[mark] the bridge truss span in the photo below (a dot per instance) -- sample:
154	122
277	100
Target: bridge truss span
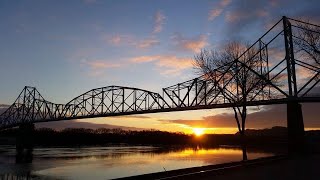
31	107
112	100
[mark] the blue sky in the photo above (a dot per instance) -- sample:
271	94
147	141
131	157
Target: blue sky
65	48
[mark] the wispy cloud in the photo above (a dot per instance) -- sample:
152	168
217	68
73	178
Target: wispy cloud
167	63
233	16
214	13
102	64
239	15
144	59
159	19
194	44
217	10
130	40
142	43
147	43
117	39
98	67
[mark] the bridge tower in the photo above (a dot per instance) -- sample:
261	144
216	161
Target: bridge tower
296	142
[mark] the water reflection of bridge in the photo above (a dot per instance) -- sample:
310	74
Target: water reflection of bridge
278	55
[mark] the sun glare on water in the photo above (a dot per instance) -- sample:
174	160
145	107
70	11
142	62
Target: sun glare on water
198	131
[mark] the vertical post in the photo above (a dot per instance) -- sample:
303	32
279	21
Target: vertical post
92	102
24	105
179	101
296	143
135	99
292	84
196	92
123	99
102	99
33	103
112	101
205	92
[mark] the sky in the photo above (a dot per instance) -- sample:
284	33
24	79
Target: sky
65	48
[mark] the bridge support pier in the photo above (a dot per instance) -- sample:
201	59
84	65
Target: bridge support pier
24	143
296	139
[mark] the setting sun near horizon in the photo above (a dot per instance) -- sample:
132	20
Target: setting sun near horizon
198	131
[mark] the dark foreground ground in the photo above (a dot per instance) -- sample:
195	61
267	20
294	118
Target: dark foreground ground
298	168
280	167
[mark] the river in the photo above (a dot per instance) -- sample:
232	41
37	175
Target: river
112	161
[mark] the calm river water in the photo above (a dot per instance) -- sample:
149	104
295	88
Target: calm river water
112	161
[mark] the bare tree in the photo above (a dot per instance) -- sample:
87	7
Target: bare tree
307	39
243	80
234	62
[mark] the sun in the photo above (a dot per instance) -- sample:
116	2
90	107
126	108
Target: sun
198	131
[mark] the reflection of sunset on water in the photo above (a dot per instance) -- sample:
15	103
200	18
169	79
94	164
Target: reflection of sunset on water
201	152
115	162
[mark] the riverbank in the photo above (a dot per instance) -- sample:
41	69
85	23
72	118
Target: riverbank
276	167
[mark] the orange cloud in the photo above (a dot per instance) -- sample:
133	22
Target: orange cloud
117	39
97	67
129	40
171	64
102	64
225	2
275	55
142	59
146	43
158	22
237	15
190	44
214	13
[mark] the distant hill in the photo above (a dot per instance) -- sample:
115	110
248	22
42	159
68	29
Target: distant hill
278	131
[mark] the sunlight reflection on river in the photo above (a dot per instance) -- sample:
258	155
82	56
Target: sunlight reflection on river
113	162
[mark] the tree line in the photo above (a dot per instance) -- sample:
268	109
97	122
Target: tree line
103	136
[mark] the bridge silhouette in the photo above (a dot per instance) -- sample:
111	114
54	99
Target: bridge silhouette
280	57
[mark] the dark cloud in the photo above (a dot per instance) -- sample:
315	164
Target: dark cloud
267	116
58	125
251	14
132	117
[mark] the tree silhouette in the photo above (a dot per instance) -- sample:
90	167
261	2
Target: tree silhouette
307	39
234	61
206	62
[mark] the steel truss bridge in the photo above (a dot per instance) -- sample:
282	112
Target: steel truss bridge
278	55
